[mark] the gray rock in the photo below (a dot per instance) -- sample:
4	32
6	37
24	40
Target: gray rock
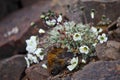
101	70
12	68
108	51
37	72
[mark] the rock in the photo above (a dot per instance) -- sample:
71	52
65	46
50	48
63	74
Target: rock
37	72
28	2
15	43
12	68
101	8
8	6
60	77
101	70
114	30
108	51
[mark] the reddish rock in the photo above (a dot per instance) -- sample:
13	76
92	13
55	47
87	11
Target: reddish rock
101	70
12	68
15	43
114	30
28	2
108	51
37	72
102	7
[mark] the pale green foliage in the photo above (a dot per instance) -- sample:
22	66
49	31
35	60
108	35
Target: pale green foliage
63	34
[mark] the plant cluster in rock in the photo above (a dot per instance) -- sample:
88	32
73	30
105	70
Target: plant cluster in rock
77	38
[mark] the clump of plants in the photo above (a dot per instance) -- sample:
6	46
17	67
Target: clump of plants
75	38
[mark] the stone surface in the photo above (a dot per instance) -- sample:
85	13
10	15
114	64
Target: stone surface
12	68
108	51
102	7
28	2
114	30
101	70
37	72
15	43
8	6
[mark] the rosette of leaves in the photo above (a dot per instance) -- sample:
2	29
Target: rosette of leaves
66	35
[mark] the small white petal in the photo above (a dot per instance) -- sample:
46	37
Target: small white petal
104	35
41	31
59	18
71	67
41	57
83	61
44	66
29	56
35	60
93	29
100	30
74	63
38	51
94	44
32	23
30	49
27	61
51	22
92	15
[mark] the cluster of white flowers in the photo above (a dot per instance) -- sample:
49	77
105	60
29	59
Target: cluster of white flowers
35	54
51	22
54	21
51	19
84	38
81	38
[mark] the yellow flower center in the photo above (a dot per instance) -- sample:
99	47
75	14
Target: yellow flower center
77	35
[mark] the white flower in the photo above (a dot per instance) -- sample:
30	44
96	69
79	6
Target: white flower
76	37
74	63
83	61
94	44
29	56
84	49
93	29
59	19
31	44
92	15
30	49
41	31
32	23
34	59
44	66
102	38
39	53
27	61
51	22
100	30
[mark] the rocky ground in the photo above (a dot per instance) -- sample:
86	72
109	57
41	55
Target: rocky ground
12	47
